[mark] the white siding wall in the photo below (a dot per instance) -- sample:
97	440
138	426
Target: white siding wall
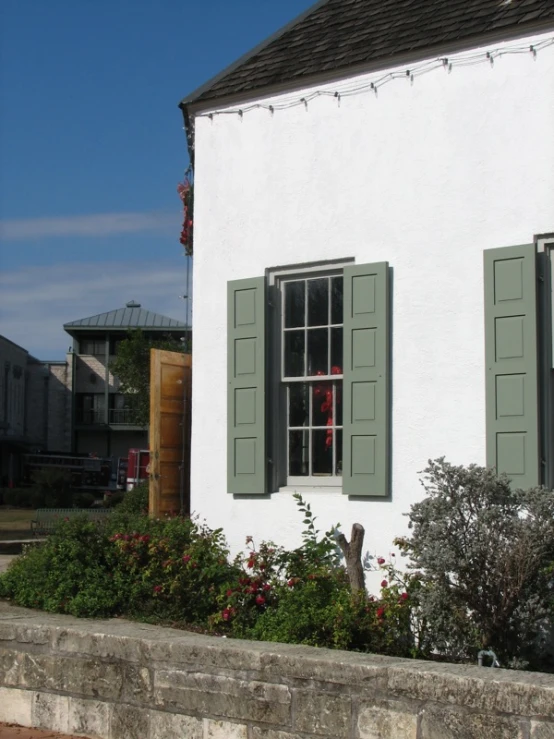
425	177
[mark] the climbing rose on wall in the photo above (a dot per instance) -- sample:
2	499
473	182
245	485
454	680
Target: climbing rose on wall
186	193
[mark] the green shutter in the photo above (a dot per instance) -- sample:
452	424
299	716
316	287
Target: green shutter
246	437
511	363
366	443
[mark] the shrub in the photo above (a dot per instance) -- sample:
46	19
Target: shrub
52	488
84	500
66	574
18	497
133	501
485	552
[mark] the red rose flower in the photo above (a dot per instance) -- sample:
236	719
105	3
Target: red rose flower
380	560
404	596
380	612
384	583
260	600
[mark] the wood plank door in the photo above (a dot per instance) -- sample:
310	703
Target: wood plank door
170	405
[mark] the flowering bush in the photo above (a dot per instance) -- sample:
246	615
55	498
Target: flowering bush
485	554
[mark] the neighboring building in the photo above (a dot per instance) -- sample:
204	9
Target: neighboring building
35	407
352	176
103	423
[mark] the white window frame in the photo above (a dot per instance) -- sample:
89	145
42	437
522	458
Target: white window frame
279	383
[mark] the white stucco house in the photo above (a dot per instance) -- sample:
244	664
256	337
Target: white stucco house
373	251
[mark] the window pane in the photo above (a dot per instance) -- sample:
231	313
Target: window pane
298	404
338	438
318	302
336	300
318	351
322	452
299	453
294	353
322	404
295	301
336	351
338	403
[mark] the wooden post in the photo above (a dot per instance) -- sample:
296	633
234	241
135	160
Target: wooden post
353	555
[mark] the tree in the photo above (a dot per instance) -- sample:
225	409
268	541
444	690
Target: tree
132	368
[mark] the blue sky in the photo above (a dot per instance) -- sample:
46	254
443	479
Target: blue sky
92	148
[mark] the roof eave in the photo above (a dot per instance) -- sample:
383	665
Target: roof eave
191	105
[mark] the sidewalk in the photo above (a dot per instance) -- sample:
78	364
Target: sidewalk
11	731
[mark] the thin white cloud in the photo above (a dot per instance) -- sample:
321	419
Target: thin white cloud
35	302
97	225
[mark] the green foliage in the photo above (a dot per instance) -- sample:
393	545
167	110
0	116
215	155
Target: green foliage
303	596
164	569
18	497
52	488
132	367
133	501
84	500
67	574
485	552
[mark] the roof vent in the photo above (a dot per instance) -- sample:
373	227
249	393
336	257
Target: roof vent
132	304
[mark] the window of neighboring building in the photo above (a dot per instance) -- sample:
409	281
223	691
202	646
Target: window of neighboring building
91	408
93	347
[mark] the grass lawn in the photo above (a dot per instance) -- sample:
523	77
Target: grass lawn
15	522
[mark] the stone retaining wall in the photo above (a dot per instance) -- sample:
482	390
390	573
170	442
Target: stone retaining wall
119	680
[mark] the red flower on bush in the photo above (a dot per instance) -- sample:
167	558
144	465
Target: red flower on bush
260	600
380	612
157	588
380	560
404	596
186	558
225	614
384	583
229	593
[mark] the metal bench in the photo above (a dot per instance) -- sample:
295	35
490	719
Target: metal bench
47	519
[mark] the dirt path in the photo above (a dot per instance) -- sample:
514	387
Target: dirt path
11	731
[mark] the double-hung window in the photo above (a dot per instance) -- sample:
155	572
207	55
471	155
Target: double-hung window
311	374
308	380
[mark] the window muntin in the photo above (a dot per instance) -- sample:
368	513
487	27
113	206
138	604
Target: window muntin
311	372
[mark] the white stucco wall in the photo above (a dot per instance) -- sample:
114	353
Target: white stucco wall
425	177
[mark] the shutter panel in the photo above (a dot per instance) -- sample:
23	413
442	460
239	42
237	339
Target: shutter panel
246	434
366	437
511	363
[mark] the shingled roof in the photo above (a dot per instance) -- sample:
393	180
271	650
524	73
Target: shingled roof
336	35
131	316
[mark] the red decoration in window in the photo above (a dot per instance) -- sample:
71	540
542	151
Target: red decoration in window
325	393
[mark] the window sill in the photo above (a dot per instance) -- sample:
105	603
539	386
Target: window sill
311	489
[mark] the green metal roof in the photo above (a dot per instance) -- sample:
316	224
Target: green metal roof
133	315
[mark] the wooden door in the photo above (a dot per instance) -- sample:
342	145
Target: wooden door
170	404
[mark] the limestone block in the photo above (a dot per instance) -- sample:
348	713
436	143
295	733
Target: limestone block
90	718
16	706
438	722
322	713
129	722
11	667
224	730
216	695
51	711
542	730
387	720
174	726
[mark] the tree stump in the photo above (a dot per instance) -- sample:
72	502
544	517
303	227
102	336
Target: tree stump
353	555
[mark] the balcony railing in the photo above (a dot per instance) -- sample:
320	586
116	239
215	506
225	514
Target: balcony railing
116	416
123	416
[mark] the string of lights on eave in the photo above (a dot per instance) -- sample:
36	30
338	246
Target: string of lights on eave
410	74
